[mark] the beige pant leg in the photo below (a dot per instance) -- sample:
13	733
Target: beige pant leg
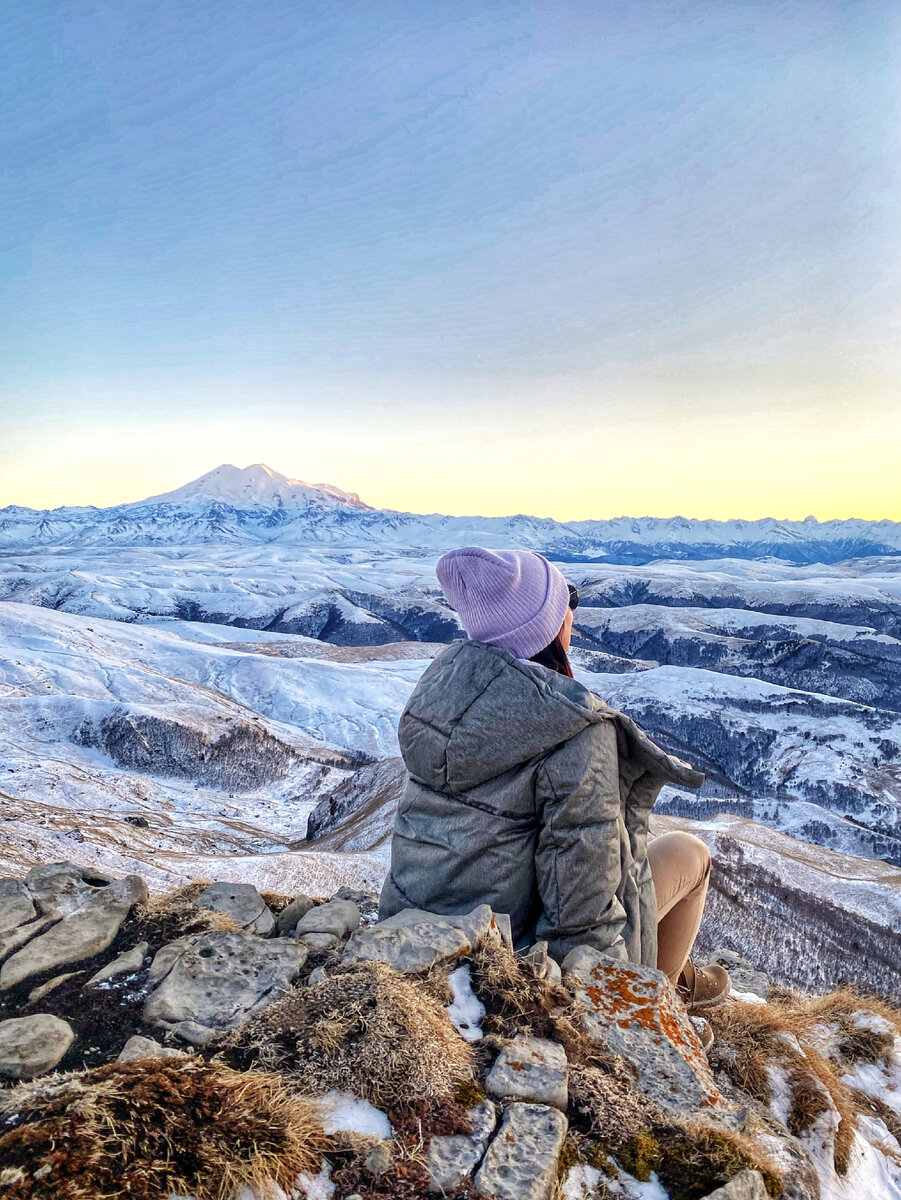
680	866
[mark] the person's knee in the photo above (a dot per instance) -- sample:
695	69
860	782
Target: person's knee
695	855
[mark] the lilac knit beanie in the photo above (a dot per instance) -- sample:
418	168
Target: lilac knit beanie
511	598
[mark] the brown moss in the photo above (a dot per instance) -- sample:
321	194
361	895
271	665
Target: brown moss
152	1128
365	1028
468	1094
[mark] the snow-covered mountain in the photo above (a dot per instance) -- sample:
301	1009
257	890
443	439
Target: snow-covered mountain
258	505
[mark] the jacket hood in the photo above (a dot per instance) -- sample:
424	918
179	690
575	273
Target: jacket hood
478	712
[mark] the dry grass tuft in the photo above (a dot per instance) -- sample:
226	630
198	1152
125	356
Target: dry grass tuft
148	1129
366	1028
752	1038
177	908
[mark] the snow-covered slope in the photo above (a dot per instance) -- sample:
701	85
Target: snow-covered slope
257	504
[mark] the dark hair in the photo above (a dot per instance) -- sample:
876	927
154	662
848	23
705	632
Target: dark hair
554	657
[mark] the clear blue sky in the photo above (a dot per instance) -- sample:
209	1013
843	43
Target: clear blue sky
575	258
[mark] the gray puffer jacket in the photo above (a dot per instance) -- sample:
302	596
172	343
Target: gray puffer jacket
528	793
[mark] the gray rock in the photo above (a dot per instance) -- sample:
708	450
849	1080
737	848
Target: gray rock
521	1162
15	905
129	961
380	1159
635	1011
31	1046
746	1185
532	1069
317	975
544	966
413	939
452	1158
358	897
85	932
337	917
45	989
144	1047
57	888
220	979
291	914
194	1032
23	933
744	976
242	902
319	941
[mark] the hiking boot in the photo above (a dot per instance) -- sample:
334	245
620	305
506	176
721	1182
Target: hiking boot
704	1030
703	987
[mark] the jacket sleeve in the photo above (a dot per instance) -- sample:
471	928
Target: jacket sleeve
578	852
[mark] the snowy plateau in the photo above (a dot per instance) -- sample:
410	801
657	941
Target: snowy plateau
184	680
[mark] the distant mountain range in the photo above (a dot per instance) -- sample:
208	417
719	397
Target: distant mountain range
257	505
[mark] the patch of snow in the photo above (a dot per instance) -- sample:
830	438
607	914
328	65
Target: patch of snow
881	1079
630	1188
580	1182
745	997
343	1112
873	1021
780	1092
314	1187
870	1173
466	1009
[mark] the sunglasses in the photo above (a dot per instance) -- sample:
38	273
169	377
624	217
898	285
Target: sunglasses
573	596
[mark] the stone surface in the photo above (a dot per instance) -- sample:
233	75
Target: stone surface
291	914
337	917
531	1069
31	1046
242	902
380	1159
23	933
635	1011
544	966
85	932
127	962
746	1185
16	907
145	1047
744	976
219	979
317	975
319	941
57	888
45	989
452	1158
413	939
521	1162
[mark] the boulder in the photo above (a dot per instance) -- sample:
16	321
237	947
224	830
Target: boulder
23	933
543	965
335	918
242	902
31	1046
16	907
636	1012
217	980
414	940
86	931
530	1068
129	961
287	919
57	888
144	1047
452	1158
746	1185
521	1162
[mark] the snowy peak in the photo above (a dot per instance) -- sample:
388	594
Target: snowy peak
257	486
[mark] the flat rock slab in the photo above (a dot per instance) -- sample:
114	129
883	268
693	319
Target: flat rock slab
335	918
17	937
521	1162
138	1047
16	906
746	1185
242	902
451	1159
129	961
87	931
51	985
531	1069
635	1011
31	1046
57	888
217	980
414	940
